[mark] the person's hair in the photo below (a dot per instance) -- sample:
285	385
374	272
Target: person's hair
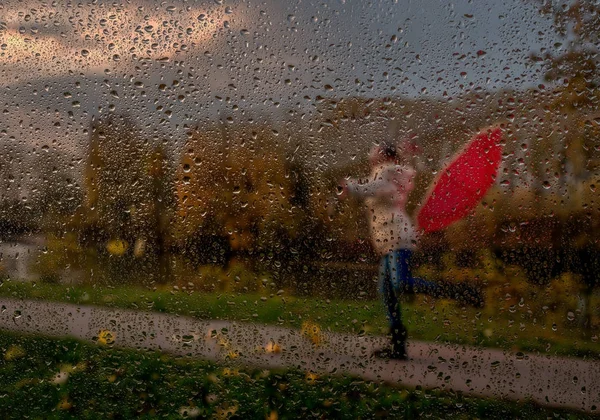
388	151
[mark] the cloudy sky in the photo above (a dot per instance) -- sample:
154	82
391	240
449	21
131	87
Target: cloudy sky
168	64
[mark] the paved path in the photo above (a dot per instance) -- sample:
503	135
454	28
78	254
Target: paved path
552	381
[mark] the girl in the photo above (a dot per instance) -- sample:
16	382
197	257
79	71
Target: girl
394	237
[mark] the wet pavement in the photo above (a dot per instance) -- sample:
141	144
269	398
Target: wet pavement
552	381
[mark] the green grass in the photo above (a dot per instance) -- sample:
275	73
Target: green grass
49	378
441	321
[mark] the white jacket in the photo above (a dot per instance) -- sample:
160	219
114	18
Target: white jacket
385	196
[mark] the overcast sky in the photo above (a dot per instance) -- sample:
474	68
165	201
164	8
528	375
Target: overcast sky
173	63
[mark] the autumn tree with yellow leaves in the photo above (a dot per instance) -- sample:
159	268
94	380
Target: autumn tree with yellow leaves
129	195
235	183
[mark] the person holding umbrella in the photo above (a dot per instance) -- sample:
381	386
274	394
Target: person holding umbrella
394	237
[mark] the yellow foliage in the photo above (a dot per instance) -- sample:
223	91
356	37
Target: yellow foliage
311	378
231	372
312	332
64	404
106	337
14	352
273	347
117	247
226	412
242	190
232	355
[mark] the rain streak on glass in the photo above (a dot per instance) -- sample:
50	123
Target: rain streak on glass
279	209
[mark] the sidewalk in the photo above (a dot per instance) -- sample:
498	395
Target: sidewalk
551	381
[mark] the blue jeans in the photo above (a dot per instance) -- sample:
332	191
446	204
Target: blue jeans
395	278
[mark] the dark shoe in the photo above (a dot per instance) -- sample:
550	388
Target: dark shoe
397	349
390	354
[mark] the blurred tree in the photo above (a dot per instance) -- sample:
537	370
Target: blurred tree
129	195
17	214
163	202
57	196
118	187
573	69
234	183
300	181
199	175
8	171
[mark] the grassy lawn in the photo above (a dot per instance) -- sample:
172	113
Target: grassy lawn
515	328
48	378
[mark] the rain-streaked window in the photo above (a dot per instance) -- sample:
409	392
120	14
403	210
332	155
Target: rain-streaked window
280	209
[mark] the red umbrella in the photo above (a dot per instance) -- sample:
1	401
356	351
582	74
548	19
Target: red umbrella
463	183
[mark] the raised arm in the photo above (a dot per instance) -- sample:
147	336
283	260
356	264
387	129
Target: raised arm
394	182
367	189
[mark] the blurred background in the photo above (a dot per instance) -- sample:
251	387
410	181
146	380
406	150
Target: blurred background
196	148
185	157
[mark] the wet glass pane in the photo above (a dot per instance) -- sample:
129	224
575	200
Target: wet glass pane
280	209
